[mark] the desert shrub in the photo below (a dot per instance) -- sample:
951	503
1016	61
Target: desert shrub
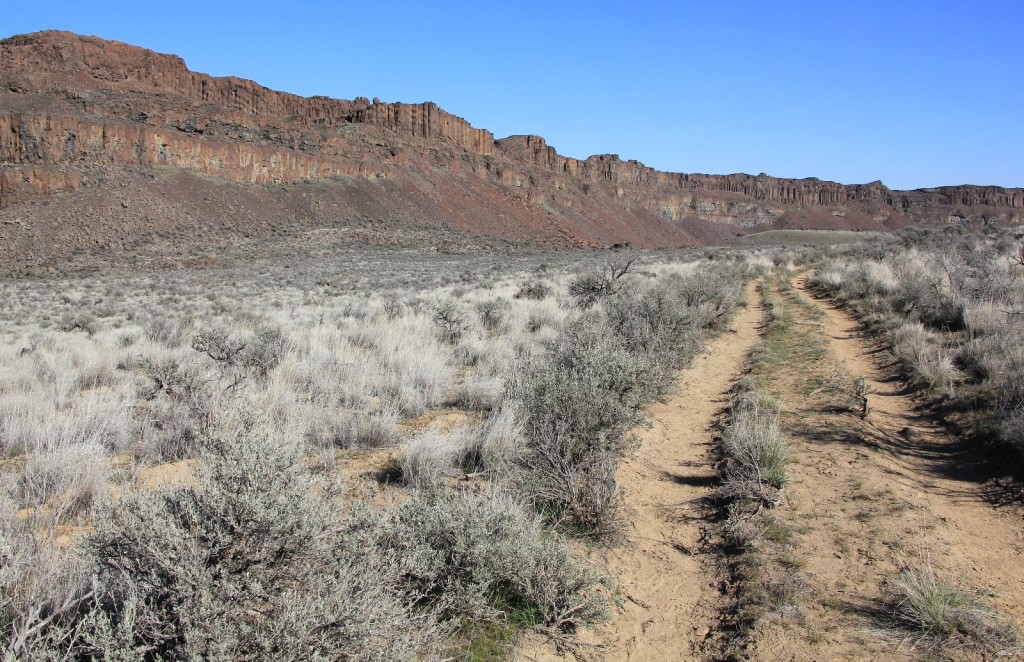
492	312
588	288
480	393
655	321
710	293
451	321
179	403
535	290
1012	428
392	308
167	376
254	562
589	386
168	331
241	354
79	322
580	403
949	303
359	430
482	556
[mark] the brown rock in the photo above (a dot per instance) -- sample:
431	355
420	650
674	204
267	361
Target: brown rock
78	114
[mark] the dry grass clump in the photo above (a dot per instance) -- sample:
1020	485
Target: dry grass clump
430	458
754	450
944	616
922	352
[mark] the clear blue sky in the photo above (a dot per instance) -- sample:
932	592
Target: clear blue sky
911	92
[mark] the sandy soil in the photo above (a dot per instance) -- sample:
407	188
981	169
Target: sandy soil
871	495
868	496
669	581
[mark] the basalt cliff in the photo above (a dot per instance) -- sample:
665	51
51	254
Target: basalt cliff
105	145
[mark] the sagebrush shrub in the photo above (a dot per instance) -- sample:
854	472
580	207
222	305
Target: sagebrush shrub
253	562
451	321
480	556
241	354
580	403
535	290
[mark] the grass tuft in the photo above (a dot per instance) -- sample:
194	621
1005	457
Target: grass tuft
943	614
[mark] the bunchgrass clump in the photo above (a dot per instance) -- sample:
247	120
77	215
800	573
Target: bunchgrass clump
754	449
943	615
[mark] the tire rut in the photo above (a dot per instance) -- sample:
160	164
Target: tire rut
669	583
872	495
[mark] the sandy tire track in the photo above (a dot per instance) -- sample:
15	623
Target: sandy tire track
872	494
669	583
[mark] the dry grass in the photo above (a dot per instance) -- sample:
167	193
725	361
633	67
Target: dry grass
943	616
103	378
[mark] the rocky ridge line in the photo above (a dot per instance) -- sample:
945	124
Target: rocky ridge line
75	109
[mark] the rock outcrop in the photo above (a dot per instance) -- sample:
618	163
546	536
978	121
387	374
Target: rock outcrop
77	113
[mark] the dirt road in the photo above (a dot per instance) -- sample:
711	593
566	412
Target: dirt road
868	495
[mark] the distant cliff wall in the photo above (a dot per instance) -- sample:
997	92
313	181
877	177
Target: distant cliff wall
71	106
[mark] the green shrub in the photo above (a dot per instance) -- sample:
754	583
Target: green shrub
580	402
654	321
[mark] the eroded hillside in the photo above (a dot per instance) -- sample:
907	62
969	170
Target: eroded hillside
105	146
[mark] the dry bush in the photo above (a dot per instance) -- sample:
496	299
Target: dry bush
241	354
535	290
589	287
451	321
431	457
580	404
253	562
480	557
492	312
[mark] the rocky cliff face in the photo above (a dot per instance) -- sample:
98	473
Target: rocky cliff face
77	113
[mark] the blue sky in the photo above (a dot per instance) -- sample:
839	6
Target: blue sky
914	93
